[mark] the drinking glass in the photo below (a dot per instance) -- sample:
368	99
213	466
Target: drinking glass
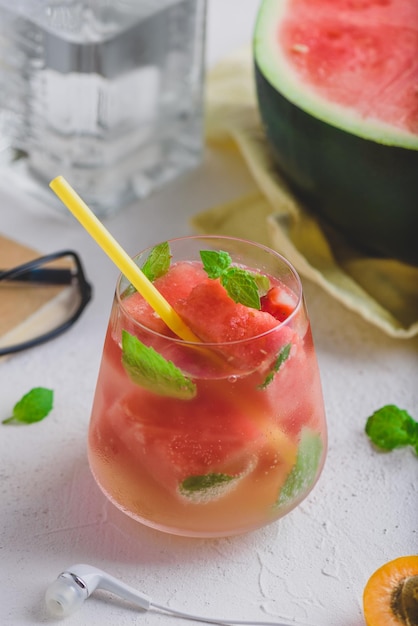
233	435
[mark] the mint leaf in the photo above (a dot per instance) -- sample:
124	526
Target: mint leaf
150	370
390	427
303	474
262	282
205	481
206	487
158	261
241	285
280	359
32	407
215	262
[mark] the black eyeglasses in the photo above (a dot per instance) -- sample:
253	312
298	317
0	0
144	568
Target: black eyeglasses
41	299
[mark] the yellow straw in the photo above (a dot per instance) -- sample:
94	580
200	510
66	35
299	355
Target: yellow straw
120	258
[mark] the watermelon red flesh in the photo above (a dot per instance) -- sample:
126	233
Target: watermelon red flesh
176	284
216	318
212	315
221	439
360	54
279	302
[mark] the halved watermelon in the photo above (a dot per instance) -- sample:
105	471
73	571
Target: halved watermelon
337	90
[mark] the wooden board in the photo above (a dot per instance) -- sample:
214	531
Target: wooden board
20	305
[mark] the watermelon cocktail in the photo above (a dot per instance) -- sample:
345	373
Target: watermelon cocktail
220	436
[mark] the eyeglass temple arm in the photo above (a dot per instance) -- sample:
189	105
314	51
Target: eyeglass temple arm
51	276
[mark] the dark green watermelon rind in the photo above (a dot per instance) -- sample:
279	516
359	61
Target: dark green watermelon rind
281	75
366	189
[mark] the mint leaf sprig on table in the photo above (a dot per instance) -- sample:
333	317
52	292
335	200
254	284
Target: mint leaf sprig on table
390	427
241	285
34	406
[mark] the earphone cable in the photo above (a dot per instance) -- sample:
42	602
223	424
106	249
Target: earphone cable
220	621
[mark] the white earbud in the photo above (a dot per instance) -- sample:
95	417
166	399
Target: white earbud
72	587
68	592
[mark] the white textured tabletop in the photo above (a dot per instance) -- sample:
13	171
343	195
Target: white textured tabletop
310	567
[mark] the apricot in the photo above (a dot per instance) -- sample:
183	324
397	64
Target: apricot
390	596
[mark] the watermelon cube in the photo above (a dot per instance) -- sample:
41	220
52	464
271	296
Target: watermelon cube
246	335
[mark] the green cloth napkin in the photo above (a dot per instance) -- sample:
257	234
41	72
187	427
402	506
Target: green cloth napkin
383	291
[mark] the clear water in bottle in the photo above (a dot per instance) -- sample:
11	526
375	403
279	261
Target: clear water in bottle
106	93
